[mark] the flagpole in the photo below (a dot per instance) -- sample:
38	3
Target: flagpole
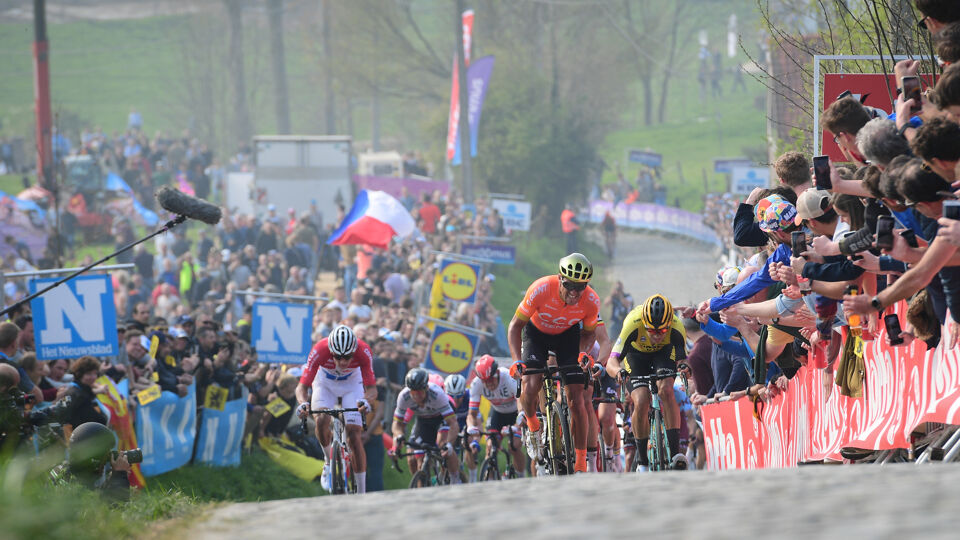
464	125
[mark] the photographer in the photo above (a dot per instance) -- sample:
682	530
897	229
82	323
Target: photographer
11	415
9	337
83	407
92	462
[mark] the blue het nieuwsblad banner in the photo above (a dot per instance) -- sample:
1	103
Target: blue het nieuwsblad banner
498	253
451	351
221	433
75	319
166	430
281	332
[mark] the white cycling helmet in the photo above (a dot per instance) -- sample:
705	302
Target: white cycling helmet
342	341
455	385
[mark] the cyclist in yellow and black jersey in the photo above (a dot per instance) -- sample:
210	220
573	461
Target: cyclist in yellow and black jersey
652	338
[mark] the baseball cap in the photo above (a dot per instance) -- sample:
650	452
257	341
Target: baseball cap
727	276
812	203
271	207
183	319
490	277
145	343
774	213
177	332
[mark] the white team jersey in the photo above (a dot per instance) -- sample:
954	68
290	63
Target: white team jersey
503	398
436	404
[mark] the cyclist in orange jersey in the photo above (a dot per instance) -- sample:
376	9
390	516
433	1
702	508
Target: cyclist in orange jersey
559	313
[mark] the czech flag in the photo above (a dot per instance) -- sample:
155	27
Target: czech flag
376	217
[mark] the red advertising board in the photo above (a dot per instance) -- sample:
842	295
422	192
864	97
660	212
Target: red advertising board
879	89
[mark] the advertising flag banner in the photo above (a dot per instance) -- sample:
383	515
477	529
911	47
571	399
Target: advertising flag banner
453	121
478	80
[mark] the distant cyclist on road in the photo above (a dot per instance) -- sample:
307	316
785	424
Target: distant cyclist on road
652	338
431	408
550	318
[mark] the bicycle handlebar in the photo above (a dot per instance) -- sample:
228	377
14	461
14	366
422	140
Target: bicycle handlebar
333	412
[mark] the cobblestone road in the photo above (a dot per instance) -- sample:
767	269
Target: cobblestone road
850	502
682	270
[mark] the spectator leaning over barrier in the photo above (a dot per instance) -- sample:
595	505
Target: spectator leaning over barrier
938	13
937	142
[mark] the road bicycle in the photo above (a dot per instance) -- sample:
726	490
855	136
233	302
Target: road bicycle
490	468
433	469
341	464
603	462
658	450
558	455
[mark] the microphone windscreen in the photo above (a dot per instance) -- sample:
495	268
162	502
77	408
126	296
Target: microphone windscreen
177	202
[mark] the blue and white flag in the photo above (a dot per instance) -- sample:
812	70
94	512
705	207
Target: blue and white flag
221	433
166	430
75	319
281	332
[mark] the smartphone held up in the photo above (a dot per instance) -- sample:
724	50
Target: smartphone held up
821	173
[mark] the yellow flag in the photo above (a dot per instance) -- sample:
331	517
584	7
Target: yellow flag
277	407
438	309
149	395
154	345
215	398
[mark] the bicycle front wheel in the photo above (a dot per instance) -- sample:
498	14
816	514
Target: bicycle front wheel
563	418
658	453
488	471
420	480
602	465
337	485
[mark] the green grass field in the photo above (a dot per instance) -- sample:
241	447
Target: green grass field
694	135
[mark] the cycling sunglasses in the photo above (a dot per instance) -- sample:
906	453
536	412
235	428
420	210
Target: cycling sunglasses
573	285
658	332
343	357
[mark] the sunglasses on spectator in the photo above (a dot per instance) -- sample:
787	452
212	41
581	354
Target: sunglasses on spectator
573	286
922	23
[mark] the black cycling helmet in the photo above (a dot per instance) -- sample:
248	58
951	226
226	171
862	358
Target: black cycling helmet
90	446
656	312
417	379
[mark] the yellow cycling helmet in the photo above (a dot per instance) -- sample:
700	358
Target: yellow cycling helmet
656	312
576	267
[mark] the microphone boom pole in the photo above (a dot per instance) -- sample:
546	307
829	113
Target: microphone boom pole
166	227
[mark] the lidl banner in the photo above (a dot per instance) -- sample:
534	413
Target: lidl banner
221	433
166	429
458	281
498	253
75	319
451	351
655	217
281	332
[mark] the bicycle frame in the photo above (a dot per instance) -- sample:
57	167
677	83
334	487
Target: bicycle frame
658	453
495	447
560	454
433	469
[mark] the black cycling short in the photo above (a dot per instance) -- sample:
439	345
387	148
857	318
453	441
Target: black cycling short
426	428
500	420
566	345
644	364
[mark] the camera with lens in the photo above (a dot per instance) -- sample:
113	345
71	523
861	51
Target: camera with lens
133	456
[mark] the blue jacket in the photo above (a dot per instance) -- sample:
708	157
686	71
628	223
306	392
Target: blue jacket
757	281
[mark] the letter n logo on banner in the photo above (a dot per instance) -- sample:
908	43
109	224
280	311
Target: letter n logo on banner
281	332
75	319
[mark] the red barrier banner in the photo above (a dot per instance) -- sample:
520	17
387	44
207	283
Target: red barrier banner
810	421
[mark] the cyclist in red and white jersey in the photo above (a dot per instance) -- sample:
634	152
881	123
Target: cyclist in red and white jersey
495	383
345	368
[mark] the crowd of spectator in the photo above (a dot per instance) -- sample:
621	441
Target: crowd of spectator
193	290
787	303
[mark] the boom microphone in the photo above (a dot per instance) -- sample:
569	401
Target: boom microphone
177	202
